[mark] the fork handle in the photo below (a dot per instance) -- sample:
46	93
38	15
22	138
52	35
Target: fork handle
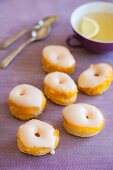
9	41
5	62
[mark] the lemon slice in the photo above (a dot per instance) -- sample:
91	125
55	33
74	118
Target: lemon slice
89	27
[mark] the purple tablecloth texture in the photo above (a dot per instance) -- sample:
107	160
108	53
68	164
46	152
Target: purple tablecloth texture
73	153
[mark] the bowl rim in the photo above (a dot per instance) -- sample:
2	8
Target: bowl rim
86	4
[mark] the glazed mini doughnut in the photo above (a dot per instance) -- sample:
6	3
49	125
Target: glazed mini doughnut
96	79
58	58
60	88
37	138
82	120
26	101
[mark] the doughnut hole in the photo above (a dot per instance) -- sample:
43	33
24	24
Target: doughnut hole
60	57
62	81
22	93
89	115
96	74
37	134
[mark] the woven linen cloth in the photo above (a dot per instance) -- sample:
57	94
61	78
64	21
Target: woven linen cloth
73	153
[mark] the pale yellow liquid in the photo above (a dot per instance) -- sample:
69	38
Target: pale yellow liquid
105	22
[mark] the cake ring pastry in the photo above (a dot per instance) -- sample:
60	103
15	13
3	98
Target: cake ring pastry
26	101
82	120
96	79
60	88
37	138
58	58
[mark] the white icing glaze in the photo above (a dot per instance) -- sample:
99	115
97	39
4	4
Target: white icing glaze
52	151
26	95
58	55
82	114
60	81
46	139
94	75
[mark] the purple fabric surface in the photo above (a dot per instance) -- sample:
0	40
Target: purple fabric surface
95	153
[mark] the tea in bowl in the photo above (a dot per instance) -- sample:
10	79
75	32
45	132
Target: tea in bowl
93	26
